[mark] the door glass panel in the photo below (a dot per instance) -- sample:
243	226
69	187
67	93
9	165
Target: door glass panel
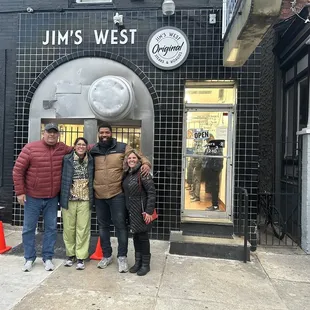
206	161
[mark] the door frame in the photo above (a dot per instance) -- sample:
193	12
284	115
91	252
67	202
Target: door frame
229	191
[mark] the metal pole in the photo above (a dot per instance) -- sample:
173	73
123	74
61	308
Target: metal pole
246	202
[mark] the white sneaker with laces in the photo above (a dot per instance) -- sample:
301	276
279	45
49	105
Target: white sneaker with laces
70	261
28	265
105	262
122	264
80	265
48	265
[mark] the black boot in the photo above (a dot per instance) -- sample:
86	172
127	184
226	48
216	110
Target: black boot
145	265
138	263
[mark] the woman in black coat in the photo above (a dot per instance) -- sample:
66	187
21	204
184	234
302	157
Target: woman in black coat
140	202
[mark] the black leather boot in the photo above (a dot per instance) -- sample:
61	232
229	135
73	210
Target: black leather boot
146	259
138	263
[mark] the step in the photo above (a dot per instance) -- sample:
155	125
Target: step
207	227
225	248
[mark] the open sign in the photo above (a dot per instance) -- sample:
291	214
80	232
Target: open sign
200	135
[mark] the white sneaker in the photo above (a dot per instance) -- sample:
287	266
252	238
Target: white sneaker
48	265
80	265
28	265
105	262
122	264
70	261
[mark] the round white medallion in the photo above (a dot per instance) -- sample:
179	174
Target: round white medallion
111	98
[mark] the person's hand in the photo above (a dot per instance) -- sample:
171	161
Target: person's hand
21	199
147	218
145	170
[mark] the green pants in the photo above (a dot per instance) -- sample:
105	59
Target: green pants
76	228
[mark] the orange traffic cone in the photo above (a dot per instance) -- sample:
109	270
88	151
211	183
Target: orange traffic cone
98	254
3	246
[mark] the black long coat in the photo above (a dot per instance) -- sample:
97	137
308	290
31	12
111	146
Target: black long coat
139	192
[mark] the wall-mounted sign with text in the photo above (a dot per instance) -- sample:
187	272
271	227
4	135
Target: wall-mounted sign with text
167	48
101	37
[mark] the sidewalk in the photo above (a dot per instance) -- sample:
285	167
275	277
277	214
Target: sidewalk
275	278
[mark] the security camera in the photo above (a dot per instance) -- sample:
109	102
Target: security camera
29	10
118	19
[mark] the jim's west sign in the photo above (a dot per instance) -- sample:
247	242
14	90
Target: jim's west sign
107	36
167	47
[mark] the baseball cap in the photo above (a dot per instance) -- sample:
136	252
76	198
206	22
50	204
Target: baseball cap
51	126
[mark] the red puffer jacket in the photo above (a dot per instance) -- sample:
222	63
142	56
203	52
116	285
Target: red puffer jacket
37	170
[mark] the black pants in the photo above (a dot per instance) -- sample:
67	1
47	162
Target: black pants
141	243
213	185
112	209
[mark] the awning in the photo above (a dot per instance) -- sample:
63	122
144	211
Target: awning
248	24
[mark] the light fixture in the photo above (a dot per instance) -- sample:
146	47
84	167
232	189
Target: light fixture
168	7
118	20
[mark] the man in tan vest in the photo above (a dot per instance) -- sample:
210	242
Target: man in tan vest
109	197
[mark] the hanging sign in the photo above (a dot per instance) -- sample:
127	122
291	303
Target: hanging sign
167	48
201	134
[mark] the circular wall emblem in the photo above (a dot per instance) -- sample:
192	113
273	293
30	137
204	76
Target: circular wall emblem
167	48
111	97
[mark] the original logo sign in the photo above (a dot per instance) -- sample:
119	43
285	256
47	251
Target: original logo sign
167	48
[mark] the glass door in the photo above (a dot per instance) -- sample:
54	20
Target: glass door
207	163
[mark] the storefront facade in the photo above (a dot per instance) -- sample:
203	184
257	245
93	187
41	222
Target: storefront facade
159	80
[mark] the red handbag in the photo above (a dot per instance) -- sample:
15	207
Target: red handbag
154	215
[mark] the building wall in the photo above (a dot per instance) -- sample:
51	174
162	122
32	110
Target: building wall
267	128
204	63
8	36
269	139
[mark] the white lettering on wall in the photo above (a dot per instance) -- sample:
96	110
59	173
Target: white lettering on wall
133	32
101	37
63	38
78	35
56	37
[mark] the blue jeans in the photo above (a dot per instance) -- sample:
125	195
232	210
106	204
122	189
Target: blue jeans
32	209
112	209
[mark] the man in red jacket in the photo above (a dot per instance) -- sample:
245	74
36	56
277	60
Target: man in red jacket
37	179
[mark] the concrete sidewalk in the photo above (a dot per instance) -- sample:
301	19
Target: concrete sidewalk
275	279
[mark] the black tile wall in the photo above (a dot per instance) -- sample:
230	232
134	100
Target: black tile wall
34	61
